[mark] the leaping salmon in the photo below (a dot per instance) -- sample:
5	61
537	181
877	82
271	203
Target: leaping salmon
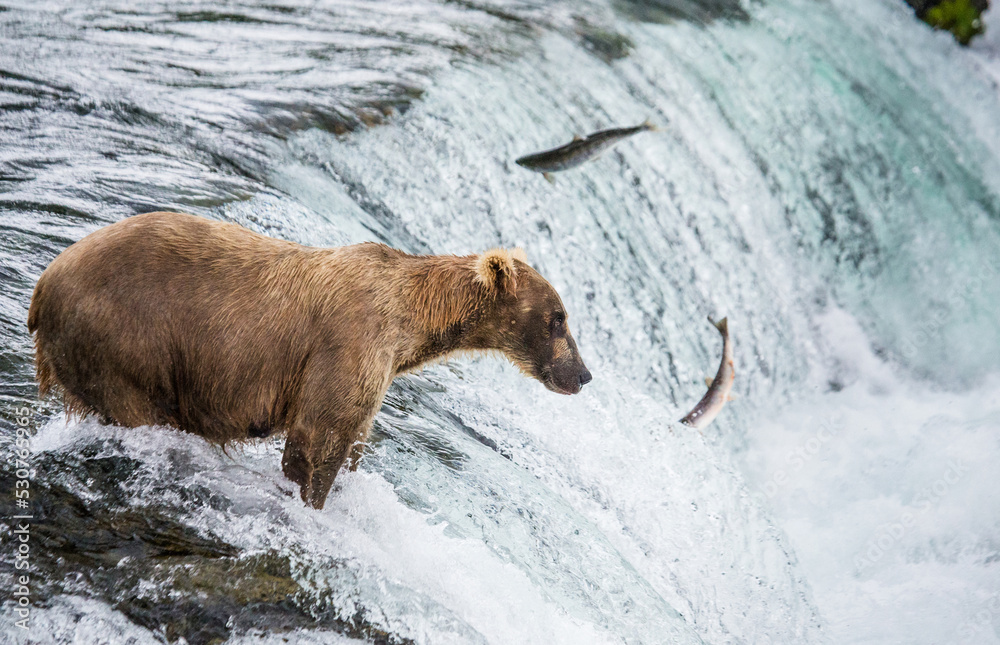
579	150
718	388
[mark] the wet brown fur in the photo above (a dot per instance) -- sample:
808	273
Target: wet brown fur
172	319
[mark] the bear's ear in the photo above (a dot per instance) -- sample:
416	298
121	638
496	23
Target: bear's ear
496	270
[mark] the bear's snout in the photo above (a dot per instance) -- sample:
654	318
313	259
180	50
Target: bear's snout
570	377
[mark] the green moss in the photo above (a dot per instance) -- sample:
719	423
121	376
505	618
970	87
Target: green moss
959	17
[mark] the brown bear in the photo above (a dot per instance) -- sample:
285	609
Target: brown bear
166	318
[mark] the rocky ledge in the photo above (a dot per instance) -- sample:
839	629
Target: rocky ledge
963	18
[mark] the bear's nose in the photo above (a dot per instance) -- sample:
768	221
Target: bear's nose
585	377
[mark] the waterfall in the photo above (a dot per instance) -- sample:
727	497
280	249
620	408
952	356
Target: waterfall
825	175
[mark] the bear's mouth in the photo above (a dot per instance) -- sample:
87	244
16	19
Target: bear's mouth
550	384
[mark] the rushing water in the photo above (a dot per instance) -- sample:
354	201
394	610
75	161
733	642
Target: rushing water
826	176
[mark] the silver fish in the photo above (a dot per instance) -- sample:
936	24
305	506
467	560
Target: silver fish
579	150
718	388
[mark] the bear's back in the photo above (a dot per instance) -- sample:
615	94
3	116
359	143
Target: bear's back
172	318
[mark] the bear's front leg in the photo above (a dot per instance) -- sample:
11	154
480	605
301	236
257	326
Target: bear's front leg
323	476
357	452
297	462
335	414
313	457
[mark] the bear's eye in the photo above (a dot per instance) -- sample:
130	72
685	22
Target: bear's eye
558	319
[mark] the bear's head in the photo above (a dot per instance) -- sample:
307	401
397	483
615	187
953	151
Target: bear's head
527	321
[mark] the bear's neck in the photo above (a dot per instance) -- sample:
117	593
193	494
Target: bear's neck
443	307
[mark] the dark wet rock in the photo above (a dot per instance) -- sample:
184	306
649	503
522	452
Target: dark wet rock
921	6
205	600
665	11
605	44
215	16
89	536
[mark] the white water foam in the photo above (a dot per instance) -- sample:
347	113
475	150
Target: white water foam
887	492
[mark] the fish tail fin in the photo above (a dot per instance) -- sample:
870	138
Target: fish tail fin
649	126
722	325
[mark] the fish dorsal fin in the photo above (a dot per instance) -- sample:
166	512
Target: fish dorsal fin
709	380
577	137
